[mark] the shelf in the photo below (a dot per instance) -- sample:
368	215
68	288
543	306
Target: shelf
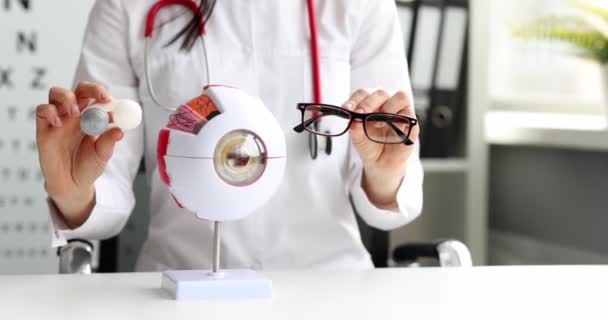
571	131
445	165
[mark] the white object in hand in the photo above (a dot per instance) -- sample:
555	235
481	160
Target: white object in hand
94	119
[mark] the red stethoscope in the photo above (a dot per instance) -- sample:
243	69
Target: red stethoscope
314	45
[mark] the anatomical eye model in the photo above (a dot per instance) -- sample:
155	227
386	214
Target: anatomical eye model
221	146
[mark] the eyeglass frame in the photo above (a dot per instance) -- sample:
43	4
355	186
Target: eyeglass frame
355	116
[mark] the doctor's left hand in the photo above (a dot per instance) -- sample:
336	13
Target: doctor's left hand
383	164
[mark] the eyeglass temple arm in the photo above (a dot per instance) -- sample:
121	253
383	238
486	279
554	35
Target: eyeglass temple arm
302	126
406	140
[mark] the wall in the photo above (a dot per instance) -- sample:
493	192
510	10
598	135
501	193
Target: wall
548	205
39	47
541	75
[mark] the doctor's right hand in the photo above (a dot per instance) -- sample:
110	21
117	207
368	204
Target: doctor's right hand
70	160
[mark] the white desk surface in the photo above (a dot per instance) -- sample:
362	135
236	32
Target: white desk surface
578	292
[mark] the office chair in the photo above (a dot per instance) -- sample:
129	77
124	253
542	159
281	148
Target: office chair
77	255
443	252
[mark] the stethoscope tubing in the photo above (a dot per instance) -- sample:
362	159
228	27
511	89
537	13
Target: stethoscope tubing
150	19
314	48
313	139
151	90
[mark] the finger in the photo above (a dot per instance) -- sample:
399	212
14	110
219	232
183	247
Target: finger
360	100
65	100
356	98
47	115
85	91
397	103
373	102
104	145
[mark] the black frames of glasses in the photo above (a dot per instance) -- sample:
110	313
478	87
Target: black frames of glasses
384	128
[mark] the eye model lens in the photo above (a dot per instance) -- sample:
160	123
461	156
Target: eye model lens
240	158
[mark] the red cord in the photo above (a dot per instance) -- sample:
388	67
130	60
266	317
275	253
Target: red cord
190	4
314	45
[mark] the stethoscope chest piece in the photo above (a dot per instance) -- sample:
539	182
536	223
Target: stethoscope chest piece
314	145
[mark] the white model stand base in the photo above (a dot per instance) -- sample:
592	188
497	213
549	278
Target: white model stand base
204	285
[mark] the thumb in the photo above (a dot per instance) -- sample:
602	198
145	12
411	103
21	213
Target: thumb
368	150
357	134
104	145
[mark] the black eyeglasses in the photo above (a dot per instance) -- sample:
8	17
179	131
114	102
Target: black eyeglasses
385	128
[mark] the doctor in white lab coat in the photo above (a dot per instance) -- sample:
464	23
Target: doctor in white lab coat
262	47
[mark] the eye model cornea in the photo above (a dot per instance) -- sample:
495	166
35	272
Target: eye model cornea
240	158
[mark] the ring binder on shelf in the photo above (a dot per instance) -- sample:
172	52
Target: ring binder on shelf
436	38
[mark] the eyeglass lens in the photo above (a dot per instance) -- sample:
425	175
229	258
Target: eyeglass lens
387	129
380	128
335	120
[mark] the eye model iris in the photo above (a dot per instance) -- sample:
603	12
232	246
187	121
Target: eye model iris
240	158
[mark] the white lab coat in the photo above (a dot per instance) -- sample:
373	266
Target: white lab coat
263	48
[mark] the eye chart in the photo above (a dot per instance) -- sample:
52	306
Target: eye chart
40	44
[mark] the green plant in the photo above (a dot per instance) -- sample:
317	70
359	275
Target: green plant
584	25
